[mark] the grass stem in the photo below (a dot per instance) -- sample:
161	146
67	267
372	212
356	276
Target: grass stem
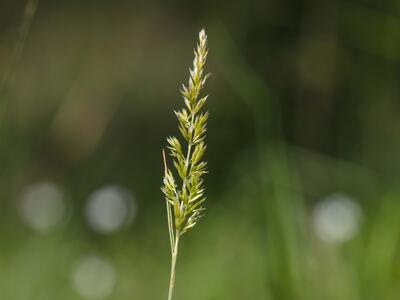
174	257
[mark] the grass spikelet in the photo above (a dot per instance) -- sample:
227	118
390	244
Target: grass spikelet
185	197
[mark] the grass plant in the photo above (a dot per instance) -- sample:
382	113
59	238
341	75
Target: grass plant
185	196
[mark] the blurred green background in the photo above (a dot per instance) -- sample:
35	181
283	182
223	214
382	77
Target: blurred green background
303	143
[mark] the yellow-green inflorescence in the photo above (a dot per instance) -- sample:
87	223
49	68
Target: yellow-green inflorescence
185	196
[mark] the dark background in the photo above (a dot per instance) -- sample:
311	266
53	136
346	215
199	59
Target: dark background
303	142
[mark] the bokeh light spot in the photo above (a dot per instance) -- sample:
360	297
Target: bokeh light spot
42	206
94	277
336	219
110	208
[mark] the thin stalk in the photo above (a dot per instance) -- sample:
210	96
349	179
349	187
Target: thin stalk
29	14
169	212
170	226
174	256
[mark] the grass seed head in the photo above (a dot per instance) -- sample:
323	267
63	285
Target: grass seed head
185	203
